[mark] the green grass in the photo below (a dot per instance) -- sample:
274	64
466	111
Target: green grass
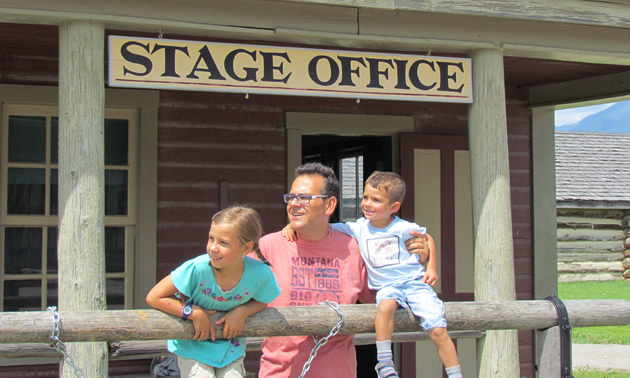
590	373
598	335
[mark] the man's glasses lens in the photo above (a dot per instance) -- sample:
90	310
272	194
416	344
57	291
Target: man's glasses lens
302	198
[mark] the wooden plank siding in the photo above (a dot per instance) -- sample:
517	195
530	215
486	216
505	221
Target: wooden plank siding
519	149
204	139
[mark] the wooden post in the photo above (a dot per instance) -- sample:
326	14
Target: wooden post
492	216
81	248
548	352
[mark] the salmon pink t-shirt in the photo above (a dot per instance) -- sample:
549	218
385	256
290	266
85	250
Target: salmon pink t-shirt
311	272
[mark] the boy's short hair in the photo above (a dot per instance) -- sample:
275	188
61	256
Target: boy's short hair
390	182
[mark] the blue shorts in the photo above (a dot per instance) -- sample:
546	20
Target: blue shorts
420	298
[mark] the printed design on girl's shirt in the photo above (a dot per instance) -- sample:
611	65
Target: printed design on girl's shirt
235	343
222	297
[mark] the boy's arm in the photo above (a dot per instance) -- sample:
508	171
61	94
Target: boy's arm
288	233
291	235
235	319
431	275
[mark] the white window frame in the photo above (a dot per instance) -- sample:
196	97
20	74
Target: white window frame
142	238
145	104
47	220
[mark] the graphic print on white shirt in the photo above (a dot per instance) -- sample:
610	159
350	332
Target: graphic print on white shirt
383	251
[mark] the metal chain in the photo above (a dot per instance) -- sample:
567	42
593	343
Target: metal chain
319	343
58	344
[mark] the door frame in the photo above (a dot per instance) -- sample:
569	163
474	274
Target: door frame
304	123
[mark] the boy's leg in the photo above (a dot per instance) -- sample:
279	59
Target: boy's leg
424	303
385	319
384	329
446	350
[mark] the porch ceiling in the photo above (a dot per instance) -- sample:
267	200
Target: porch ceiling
22	39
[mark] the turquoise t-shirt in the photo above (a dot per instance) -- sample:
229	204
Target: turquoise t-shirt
195	279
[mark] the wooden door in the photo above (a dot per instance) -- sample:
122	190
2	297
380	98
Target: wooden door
436	170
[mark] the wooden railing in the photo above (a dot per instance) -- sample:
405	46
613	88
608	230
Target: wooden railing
122	325
132	332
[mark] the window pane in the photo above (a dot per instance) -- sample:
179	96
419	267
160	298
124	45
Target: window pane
351	188
115	293
116	141
114	249
27	139
26	191
54	192
54	140
22	250
52	298
51	252
22	295
115	192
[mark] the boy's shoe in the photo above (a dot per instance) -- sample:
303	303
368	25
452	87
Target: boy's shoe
385	369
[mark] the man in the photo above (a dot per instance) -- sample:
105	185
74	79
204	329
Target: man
321	265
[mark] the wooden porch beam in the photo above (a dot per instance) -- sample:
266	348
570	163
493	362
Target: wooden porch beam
603	88
614	13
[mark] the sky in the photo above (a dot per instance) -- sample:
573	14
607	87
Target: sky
571	116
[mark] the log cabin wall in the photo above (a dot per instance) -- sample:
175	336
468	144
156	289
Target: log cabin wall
208	138
593	206
591	244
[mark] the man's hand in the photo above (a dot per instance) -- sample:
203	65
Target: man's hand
418	246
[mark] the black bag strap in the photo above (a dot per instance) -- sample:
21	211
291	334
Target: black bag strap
565	336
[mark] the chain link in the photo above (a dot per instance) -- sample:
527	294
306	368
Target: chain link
58	344
320	342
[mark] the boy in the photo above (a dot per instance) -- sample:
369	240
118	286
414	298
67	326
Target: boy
397	275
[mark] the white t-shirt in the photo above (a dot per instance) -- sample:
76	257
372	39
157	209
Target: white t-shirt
383	250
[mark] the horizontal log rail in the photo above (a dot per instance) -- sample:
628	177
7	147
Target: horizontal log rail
123	325
154	348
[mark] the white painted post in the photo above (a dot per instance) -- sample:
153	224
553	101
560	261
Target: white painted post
81	248
492	215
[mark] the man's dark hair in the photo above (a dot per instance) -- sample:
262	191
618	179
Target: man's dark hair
331	184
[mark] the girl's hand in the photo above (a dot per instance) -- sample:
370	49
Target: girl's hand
202	324
233	322
288	233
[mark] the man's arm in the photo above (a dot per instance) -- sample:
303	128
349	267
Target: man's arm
419	245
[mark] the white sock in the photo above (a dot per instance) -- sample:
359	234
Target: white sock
454	372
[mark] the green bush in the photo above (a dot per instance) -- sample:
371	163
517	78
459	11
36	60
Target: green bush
597	290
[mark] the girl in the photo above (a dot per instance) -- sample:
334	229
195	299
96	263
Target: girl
224	279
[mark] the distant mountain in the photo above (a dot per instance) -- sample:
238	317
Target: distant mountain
615	119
